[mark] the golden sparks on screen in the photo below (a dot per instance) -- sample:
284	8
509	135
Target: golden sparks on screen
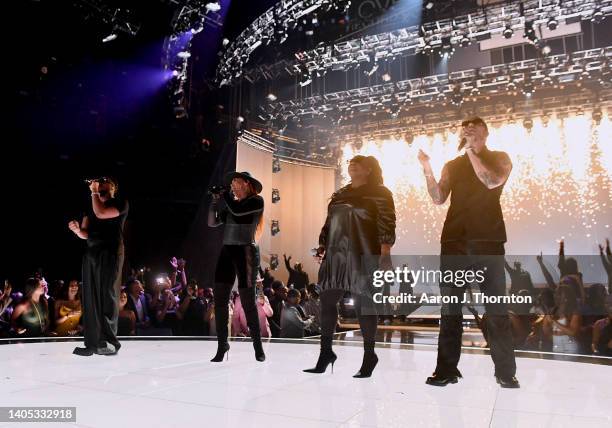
562	175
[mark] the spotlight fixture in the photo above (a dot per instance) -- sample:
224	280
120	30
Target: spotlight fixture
109	38
456	98
530	33
198	27
273	261
427	49
274	228
386	77
528	88
552	23
429	5
305	78
275	196
271	97
508	31
225	42
545	119
465	41
213	6
597	16
276	167
447	48
528	124
547	81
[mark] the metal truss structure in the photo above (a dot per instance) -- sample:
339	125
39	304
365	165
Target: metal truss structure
428	37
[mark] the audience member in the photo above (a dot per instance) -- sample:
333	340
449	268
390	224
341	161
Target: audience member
30	317
68	310
292	323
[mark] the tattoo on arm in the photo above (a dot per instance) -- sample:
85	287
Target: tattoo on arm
494	170
438	191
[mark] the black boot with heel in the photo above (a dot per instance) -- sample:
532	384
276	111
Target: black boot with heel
249	304
222	351
370	360
326	357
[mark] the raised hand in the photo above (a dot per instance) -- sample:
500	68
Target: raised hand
174	263
94	186
423	158
74	226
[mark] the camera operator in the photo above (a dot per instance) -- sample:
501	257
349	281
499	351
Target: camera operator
243	219
102	227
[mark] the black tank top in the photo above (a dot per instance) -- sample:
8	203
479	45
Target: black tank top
474	213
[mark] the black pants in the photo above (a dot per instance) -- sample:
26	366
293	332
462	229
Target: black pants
487	256
240	261
329	314
100	294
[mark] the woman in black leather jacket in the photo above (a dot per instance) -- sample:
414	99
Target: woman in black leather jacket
358	234
242	216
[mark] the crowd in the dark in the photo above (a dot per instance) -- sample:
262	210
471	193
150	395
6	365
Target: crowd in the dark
168	304
567	316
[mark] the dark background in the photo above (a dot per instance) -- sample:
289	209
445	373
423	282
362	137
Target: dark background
88	115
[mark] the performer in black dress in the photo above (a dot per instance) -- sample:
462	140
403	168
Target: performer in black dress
473	237
243	219
102	227
357	236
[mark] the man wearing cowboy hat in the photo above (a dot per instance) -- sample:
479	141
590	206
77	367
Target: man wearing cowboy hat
242	216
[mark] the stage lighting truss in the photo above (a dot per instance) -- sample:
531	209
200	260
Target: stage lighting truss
274	24
190	18
442	120
503	18
401	100
120	20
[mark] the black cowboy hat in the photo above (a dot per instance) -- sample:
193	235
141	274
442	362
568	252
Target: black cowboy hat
245	176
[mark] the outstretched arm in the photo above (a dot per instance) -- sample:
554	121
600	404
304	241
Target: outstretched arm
438	190
549	279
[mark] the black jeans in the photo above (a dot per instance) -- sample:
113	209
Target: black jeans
489	257
100	294
240	261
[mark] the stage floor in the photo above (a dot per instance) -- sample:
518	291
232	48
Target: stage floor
171	383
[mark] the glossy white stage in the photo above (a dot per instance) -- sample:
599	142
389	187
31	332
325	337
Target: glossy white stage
173	384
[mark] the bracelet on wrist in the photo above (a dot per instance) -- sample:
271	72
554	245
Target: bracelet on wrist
95	193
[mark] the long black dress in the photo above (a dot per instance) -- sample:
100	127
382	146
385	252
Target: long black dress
358	221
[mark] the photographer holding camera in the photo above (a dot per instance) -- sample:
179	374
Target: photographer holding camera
102	227
243	219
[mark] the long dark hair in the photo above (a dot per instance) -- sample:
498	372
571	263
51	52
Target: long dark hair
371	162
66	290
567	301
31	285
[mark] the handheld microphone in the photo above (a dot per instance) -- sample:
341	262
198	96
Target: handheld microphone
462	143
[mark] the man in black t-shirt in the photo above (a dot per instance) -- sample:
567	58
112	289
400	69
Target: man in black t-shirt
102	227
473	238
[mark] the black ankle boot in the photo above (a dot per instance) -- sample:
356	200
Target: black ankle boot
370	360
222	349
259	352
326	357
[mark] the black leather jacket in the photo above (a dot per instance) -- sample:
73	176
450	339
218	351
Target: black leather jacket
240	218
